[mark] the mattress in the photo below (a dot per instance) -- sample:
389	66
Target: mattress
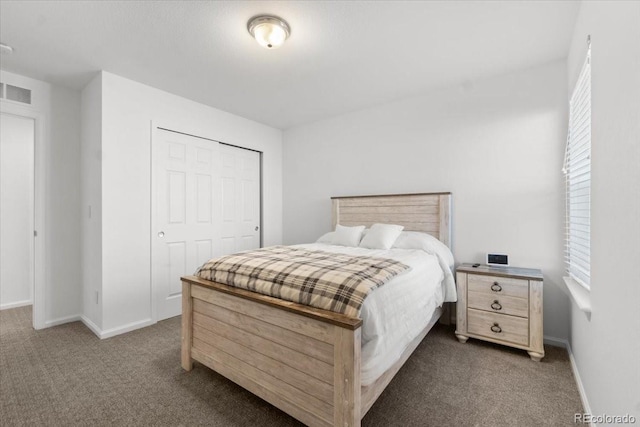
394	314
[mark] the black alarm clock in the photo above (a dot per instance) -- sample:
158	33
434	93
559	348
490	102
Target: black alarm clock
498	260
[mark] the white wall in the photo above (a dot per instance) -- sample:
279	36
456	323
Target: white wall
17	149
60	109
128	108
91	210
497	145
64	297
607	347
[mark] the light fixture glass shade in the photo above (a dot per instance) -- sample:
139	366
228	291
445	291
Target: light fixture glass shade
269	31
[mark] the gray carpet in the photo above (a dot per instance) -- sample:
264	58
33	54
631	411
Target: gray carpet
66	376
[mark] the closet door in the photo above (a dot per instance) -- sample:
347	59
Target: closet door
240	176
204	196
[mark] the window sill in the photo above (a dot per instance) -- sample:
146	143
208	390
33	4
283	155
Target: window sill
580	295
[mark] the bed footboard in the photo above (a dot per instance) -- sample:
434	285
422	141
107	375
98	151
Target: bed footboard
302	360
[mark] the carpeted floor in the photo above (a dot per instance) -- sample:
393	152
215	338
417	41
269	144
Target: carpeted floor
65	376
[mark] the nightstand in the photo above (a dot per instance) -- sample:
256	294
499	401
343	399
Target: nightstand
502	305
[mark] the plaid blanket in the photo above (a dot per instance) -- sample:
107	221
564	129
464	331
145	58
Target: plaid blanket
335	282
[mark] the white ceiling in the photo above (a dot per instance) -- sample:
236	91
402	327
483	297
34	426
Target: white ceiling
341	56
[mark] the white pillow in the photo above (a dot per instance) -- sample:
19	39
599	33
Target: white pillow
347	236
326	238
426	242
381	236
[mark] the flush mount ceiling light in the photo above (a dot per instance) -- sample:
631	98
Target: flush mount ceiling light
269	31
5	49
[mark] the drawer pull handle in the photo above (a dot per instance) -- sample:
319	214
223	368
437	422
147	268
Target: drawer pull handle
496	328
496	305
496	287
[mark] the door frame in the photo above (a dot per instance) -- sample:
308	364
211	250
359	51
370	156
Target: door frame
38	248
155	127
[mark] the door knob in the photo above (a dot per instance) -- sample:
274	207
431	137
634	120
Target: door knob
161	234
257	228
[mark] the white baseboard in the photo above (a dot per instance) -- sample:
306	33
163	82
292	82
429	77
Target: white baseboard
126	328
62	320
555	342
559	342
115	331
16	304
576	374
92	326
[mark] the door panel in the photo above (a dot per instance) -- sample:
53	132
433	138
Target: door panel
177	265
205	203
204	196
183	218
177	198
204	249
240	199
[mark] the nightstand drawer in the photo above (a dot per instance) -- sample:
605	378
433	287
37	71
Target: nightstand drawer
500	304
500	327
496	285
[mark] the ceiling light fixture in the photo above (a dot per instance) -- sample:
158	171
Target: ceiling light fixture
5	49
268	30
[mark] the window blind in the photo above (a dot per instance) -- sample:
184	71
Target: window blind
577	169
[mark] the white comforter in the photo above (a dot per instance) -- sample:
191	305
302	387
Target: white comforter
394	314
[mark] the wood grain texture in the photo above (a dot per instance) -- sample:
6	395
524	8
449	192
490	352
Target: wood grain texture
521	273
307	345
423	200
378	196
504	286
461	307
285	306
261	376
520	315
275	368
536	332
410	210
284	319
294	358
444	232
512	329
428	212
401	214
347	377
250	351
264	391
498	304
187	317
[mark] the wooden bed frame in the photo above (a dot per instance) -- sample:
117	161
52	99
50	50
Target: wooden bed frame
303	360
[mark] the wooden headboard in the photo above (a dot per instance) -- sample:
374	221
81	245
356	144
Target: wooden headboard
425	212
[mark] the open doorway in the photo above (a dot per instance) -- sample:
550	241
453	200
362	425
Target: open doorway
17	210
22	213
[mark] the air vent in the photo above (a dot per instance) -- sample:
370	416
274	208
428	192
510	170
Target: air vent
19	94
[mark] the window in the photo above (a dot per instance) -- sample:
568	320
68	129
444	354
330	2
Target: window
577	170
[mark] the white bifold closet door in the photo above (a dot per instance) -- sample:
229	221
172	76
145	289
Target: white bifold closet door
205	203
240	199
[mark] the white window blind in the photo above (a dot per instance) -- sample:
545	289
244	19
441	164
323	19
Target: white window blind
577	169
